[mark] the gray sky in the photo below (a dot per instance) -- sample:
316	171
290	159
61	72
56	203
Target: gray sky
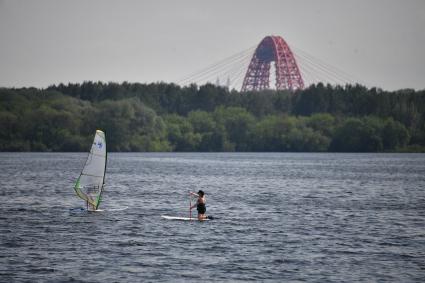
48	42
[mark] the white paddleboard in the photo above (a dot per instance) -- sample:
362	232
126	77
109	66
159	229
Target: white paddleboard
182	218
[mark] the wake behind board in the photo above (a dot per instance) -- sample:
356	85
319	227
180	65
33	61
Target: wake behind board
182	218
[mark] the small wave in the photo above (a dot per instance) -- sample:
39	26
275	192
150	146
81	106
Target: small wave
116	209
130	244
41	270
77	210
12	244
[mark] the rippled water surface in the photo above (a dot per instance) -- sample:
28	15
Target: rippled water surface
280	217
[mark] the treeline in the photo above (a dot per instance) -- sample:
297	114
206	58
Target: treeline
167	117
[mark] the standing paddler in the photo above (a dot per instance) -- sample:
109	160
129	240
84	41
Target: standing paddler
200	204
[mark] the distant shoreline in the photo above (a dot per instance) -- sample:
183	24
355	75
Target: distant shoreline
161	117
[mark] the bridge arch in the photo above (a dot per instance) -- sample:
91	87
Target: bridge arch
273	49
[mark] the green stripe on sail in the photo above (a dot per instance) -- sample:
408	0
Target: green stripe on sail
98	201
78	190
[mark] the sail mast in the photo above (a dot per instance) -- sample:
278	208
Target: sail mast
104	174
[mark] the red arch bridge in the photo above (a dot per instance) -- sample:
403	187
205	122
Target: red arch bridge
272	64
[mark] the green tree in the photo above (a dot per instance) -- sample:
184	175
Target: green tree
305	139
395	135
181	135
238	123
354	135
268	132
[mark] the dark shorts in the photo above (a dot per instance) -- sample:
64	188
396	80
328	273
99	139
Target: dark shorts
201	208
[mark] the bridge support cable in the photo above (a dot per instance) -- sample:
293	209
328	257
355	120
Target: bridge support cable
313	74
221	71
236	80
325	72
211	72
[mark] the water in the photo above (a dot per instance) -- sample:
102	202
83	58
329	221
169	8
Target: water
280	217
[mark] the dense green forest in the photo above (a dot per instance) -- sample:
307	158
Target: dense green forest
167	117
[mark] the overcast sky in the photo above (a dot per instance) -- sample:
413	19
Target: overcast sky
48	42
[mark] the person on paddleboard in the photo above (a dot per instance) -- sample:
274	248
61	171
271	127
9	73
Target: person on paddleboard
200	204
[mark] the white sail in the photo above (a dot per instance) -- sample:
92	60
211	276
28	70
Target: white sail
89	185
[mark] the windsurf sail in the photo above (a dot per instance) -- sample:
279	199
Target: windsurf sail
90	183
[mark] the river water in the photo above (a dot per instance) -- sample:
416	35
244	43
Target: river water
279	217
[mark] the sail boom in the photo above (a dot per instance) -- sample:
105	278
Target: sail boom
96	176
